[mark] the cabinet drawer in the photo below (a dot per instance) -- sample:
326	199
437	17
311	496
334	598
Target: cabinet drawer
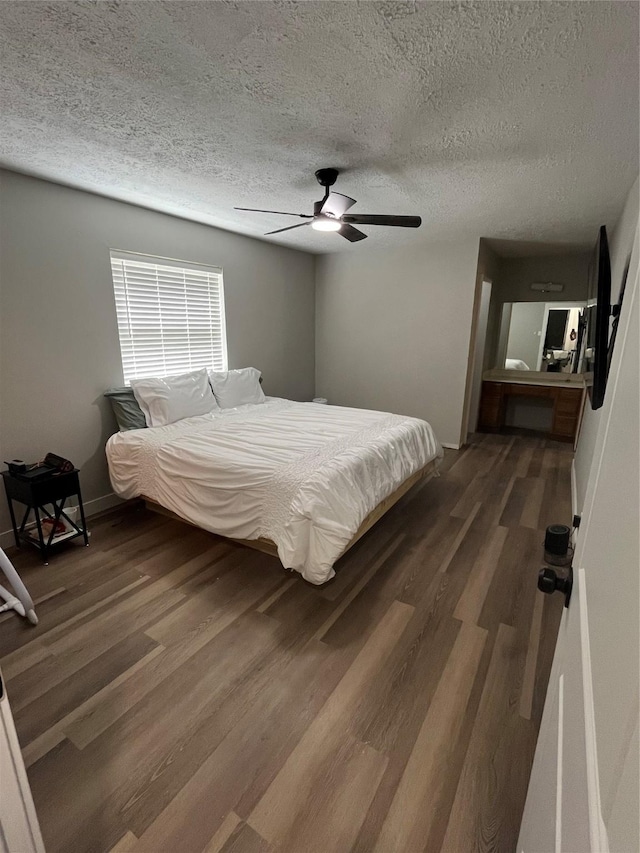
568	401
492	389
56	487
490	414
529	391
565	425
568	407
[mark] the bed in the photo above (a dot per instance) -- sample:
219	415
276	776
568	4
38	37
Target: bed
302	480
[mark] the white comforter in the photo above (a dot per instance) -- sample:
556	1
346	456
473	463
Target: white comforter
304	475
515	364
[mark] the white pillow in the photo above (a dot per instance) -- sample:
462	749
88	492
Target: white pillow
236	387
165	399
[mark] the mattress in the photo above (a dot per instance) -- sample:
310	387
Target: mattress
303	475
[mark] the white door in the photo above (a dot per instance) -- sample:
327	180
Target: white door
19	829
584	794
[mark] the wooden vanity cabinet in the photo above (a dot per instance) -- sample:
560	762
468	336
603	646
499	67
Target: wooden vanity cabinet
567	406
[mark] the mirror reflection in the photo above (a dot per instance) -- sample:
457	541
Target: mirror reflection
541	336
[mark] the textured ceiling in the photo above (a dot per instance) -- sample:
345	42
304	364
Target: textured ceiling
517	121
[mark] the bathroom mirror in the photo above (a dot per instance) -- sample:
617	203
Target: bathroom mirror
541	336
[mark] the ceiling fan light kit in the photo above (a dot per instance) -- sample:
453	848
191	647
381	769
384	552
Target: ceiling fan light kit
330	213
325	223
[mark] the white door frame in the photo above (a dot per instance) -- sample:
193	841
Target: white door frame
19	828
477	369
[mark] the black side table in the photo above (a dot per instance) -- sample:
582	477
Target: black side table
52	490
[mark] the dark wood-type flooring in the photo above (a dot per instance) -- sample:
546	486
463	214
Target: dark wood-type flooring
182	693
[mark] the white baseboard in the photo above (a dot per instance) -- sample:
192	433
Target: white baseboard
450	446
101	504
92	507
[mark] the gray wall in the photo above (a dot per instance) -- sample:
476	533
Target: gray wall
58	332
488	270
503	335
393	330
512	284
524	332
620	245
517	274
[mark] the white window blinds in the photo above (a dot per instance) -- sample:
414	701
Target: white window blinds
170	315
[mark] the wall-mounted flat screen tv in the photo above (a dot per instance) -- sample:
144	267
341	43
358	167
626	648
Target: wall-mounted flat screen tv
598	314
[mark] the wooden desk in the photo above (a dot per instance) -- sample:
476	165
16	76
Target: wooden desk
567	406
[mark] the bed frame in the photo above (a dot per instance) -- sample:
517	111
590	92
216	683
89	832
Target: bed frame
269	547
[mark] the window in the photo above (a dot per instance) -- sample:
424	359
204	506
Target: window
170	315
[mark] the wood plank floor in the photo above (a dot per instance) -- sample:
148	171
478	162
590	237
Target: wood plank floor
185	694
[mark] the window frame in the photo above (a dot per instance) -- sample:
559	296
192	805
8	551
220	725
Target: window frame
120	293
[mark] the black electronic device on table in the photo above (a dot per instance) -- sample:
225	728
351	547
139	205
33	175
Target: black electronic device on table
51	464
58	463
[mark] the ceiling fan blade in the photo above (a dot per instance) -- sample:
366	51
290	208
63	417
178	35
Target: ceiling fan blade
279	230
279	212
398	221
352	234
337	204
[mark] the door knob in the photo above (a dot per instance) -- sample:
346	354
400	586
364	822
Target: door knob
549	581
